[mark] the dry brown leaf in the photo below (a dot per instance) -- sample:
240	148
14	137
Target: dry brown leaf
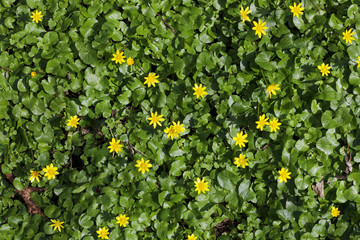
319	188
348	161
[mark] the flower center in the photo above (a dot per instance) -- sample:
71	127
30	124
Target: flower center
143	165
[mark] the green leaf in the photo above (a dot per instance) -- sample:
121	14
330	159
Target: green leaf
352	10
205	60
103	107
325	145
18	184
88	55
53	66
177	167
52	211
246	192
85	221
158	100
225	179
354	79
335	22
178	64
4	59
354	52
50	38
263	59
91	78
284	215
9	22
354	176
87	28
175	151
80	188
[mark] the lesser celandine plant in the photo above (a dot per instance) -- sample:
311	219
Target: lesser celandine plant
179	119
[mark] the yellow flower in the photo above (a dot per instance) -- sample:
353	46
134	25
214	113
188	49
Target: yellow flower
284	175
118	57
103	232
35	174
358	62
178	127
348	36
73	121
115	146
240	139
274	125
33	74
201	186
36	16
244	14
143	166
271	89
335	212
259	28
50	171
57	224
262	122
241	161
324	69
155	119
199	91
151	79
297	10
171	132
130	61
122	220
191	237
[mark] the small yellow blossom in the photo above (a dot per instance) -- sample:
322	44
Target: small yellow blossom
297	10
155	119
284	175
358	62
33	74
324	69
36	16
240	139
103	233
271	89
274	125
143	166
259	28
122	220
57	224
50	171
178	127
171	132
151	79
262	122
115	146
118	57
191	237
348	36
244	14
199	91
201	186
335	212
130	61
35	175
73	121
241	161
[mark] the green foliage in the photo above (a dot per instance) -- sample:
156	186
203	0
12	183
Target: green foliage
184	42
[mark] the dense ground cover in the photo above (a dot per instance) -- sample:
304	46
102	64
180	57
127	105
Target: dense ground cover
257	137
